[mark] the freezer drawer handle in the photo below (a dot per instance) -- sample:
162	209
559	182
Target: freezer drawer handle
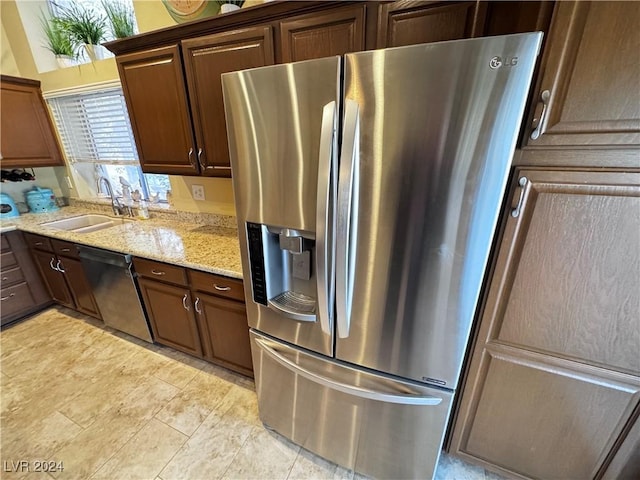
325	219
343	387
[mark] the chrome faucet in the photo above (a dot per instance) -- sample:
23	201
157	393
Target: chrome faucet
116	205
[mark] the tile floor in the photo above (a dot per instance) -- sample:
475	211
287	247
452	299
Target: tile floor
108	406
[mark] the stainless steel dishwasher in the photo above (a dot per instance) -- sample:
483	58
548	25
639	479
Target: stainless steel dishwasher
115	290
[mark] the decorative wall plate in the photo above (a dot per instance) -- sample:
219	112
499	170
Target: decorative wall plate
187	10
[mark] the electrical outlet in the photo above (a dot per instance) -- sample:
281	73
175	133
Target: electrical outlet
197	192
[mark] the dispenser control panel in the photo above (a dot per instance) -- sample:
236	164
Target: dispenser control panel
256	257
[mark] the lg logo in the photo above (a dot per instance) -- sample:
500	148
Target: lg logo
498	61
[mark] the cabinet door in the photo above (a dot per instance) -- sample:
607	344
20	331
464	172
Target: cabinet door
225	332
556	356
412	22
27	133
156	96
53	278
205	60
321	35
79	285
590	73
171	314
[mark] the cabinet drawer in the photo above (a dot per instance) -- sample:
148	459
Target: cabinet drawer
160	271
15	299
8	260
217	285
14	275
5	244
38	241
66	249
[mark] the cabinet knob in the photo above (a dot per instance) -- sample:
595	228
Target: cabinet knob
538	118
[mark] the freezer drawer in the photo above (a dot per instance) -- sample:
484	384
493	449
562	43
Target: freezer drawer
371	423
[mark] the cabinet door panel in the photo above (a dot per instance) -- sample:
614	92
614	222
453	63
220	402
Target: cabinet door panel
205	60
226	331
155	92
53	278
412	22
545	421
28	138
323	34
591	69
79	286
570	271
172	323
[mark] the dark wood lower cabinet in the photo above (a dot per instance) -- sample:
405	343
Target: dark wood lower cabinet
224	332
54	279
553	383
79	286
170	312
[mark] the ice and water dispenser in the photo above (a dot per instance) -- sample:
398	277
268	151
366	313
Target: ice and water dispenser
282	272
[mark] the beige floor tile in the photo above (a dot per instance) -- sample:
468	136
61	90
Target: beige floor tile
145	454
265	454
176	373
193	404
311	467
94	446
210	450
241	404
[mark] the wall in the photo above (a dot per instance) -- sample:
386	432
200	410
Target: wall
17	59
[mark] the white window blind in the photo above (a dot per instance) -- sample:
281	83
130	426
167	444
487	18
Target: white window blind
95	127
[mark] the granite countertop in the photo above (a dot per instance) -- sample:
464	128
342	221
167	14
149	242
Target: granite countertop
201	247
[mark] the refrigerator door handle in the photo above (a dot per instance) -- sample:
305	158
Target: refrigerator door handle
325	223
347	212
401	398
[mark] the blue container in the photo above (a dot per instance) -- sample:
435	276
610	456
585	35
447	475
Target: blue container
41	200
8	207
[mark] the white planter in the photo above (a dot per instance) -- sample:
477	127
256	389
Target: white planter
96	52
228	7
65	61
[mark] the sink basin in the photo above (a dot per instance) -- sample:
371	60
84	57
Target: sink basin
86	223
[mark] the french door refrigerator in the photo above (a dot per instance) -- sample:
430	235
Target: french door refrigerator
367	193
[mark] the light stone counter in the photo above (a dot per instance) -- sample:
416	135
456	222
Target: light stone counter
201	247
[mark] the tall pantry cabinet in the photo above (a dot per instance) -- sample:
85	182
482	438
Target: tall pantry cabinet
552	388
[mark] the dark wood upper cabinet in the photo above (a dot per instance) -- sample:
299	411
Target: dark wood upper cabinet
155	92
587	94
205	59
28	137
321	35
412	22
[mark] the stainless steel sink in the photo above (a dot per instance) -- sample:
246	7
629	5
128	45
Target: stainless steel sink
86	223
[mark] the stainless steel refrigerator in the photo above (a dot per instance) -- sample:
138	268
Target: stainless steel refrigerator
367	193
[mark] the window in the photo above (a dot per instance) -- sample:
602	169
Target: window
95	131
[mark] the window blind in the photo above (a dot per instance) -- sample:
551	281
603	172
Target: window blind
95	127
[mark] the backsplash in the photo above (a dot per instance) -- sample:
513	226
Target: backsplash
163	212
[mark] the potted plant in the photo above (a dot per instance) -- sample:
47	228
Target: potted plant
86	28
121	19
58	42
227	6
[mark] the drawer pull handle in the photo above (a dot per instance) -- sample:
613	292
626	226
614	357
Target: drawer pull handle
4	279
65	249
159	273
7	298
38	244
184	302
196	305
221	289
